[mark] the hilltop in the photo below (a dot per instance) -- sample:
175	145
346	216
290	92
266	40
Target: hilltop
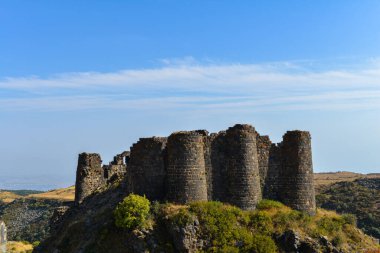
323	179
204	227
50	200
360	197
61	194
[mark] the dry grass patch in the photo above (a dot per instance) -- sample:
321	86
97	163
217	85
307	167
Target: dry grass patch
66	194
8	197
19	247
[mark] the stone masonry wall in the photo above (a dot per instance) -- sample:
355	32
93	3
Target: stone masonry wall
117	168
219	166
263	152
242	167
237	166
146	168
186	171
271	180
89	176
296	176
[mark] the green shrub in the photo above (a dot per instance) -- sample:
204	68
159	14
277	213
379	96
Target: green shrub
349	219
290	219
132	212
36	243
266	204
337	240
183	218
261	222
261	244
220	223
327	225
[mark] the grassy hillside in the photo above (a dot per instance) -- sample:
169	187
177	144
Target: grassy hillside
214	227
63	194
323	180
7	196
360	197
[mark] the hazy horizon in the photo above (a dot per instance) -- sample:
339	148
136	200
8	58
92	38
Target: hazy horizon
95	76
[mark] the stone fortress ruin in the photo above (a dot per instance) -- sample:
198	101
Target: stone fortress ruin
236	166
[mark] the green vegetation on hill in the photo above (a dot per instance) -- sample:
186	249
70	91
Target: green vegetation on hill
360	197
217	227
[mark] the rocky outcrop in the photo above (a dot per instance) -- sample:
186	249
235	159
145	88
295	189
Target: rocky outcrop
3	233
29	219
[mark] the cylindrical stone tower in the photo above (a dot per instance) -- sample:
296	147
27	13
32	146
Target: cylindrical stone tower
89	177
146	168
186	169
296	175
243	185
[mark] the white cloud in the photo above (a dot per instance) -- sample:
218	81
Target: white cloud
186	84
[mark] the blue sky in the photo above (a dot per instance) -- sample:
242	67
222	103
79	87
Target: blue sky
96	75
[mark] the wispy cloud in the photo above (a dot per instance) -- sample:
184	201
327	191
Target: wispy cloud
186	84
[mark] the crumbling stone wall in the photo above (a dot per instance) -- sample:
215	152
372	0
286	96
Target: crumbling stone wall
296	175
186	171
146	168
117	168
237	166
89	176
242	167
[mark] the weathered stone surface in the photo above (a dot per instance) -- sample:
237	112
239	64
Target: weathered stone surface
237	166
219	166
89	175
186	171
242	167
272	178
186	238
263	152
146	168
296	176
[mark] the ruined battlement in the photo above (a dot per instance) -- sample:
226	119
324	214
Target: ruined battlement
237	166
92	175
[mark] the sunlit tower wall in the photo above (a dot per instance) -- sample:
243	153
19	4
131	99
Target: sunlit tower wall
89	177
296	175
243	185
186	168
